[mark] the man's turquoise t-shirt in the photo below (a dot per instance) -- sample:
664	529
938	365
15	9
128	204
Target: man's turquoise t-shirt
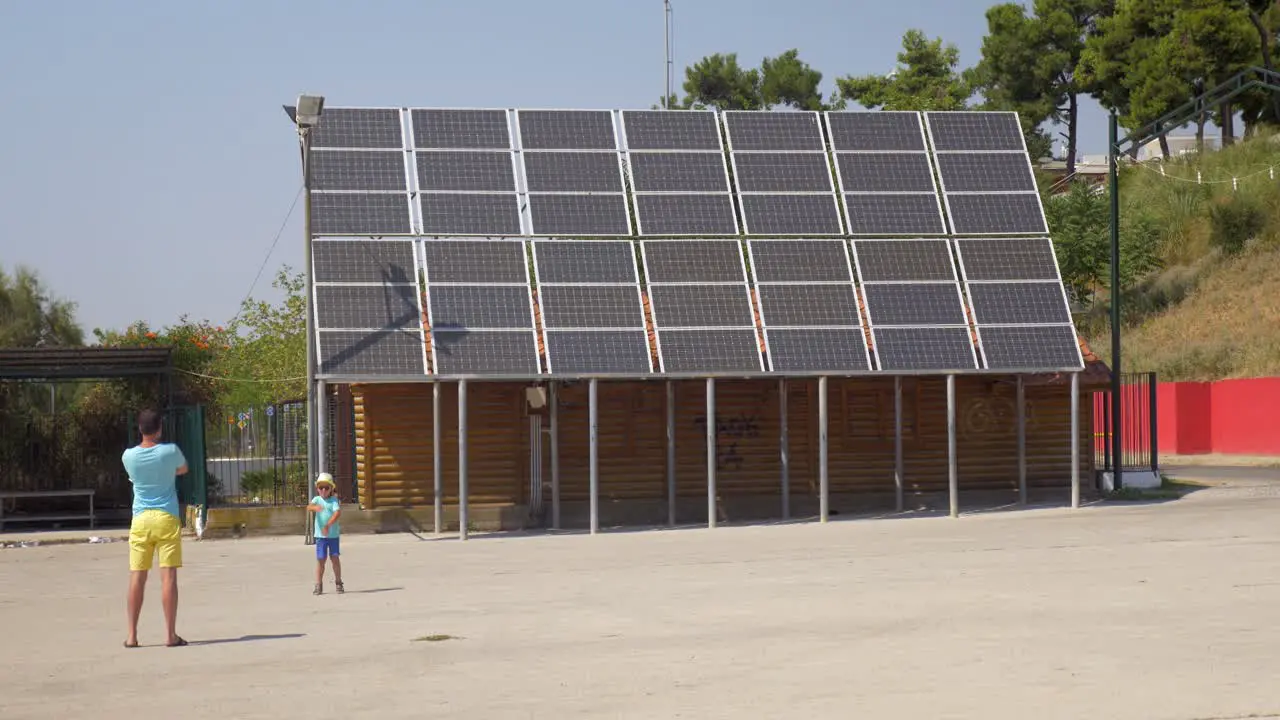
330	507
154	474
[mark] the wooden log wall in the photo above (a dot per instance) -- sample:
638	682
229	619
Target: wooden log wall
393	438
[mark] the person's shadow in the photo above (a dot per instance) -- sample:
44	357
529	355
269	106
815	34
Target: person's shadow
248	638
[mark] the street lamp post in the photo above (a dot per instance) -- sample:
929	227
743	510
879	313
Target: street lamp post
306	116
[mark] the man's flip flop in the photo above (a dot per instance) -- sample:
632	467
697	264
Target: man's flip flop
126	644
179	643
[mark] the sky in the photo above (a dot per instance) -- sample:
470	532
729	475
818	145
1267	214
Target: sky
146	164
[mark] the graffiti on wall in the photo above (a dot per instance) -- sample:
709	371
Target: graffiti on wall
731	431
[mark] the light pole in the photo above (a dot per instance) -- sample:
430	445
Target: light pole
666	16
306	115
1117	412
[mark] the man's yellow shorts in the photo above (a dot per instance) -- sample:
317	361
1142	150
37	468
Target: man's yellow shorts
152	531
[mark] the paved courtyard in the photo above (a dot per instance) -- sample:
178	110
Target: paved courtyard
1157	611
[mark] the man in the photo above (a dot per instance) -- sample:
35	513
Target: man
153	468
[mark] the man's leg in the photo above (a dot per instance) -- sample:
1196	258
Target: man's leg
169	595
137	588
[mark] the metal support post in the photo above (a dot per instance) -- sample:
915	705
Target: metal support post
304	140
555	455
593	417
1021	421
462	460
784	440
322	437
1117	415
952	470
711	452
824	491
1075	439
437	460
671	453
899	475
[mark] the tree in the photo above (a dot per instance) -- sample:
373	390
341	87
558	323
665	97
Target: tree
30	317
926	79
719	81
268	347
1029	63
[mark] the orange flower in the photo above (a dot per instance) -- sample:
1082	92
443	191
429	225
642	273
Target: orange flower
151	335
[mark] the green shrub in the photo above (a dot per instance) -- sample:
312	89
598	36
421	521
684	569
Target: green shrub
1234	220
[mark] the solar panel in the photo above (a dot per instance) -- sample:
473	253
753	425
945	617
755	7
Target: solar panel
362	261
364	170
457	129
678	172
996	214
354	353
572	172
781	261
790	214
924	348
465	170
885	172
360	214
686	214
904	260
671	130
701	306
808	305
598	351
475	261
985	172
974	131
748	130
704	351
888	214
782	172
1011	303
590	307
488	307
579	214
363	128
880	130
693	261
1030	347
585	261
367	307
816	349
493	352
470	214
566	130
914	304
1008	259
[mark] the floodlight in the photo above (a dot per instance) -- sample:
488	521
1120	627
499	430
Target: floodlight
308	110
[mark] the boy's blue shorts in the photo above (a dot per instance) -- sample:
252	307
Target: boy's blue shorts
326	547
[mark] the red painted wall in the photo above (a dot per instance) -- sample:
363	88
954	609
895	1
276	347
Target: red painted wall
1231	417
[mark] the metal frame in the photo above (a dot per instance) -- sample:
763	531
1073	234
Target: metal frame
849	274
547	329
946	196
528	294
745	282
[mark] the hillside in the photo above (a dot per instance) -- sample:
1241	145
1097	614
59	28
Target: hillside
1212	310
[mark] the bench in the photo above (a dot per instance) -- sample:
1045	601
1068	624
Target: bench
15	495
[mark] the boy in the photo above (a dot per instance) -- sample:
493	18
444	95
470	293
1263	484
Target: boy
326	507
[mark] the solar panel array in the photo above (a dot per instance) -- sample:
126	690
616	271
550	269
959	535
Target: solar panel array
915	192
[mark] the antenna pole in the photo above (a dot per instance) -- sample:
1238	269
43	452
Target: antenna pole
666	14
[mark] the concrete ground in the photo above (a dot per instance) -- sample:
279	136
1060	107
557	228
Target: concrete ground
1153	611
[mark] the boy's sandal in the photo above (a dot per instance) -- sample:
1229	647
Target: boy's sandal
340	587
178	643
130	645
319	589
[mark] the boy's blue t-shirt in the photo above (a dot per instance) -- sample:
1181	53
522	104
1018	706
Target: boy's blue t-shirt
330	507
154	474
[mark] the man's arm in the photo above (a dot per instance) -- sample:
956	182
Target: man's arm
181	460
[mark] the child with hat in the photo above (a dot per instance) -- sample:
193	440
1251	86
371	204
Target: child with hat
326	507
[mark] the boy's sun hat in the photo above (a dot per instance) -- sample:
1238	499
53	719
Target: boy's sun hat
324	478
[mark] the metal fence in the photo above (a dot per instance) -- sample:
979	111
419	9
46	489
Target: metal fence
1138	436
258	455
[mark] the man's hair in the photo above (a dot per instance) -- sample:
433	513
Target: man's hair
149	422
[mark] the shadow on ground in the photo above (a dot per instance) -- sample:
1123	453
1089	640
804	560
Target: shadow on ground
249	638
